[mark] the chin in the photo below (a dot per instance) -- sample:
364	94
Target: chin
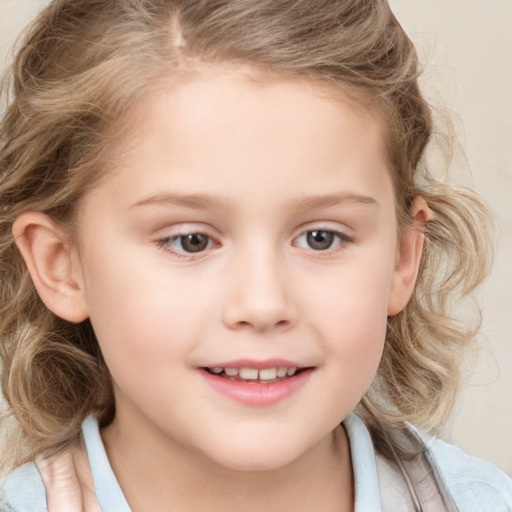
258	457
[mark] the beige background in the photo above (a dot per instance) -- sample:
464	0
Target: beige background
467	48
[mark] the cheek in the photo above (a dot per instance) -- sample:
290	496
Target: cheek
146	337
134	307
354	297
350	312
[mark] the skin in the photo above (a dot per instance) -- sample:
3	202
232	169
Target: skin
276	159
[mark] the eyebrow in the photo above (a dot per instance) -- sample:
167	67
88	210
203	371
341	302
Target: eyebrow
197	201
311	203
205	202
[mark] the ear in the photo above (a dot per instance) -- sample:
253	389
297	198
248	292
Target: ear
53	264
408	256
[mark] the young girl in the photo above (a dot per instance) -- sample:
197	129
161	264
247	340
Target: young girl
220	238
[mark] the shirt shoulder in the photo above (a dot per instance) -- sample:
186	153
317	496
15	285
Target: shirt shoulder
475	484
23	491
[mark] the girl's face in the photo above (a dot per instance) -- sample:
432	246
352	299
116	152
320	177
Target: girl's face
250	232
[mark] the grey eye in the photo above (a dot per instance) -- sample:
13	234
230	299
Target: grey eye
320	239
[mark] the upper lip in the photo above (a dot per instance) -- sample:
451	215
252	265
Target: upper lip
260	365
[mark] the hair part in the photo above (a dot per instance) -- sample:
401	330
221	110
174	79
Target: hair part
85	64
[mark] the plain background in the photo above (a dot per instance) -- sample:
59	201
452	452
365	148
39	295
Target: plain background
466	48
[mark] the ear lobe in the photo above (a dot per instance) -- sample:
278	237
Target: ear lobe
408	258
52	264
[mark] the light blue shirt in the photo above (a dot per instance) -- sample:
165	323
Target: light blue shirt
475	485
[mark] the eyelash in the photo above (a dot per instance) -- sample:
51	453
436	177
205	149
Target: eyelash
343	239
166	243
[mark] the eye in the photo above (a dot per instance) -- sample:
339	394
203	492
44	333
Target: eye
320	239
189	243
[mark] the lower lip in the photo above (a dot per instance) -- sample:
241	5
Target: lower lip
256	393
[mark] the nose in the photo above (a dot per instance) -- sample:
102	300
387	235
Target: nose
260	295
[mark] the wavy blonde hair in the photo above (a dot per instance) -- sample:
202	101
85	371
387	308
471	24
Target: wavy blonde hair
84	64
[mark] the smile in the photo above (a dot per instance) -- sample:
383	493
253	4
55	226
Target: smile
253	386
264	375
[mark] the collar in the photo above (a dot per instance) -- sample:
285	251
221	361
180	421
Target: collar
111	497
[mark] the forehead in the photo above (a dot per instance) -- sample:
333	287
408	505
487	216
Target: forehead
227	130
224	89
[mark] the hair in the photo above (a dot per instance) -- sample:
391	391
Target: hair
83	65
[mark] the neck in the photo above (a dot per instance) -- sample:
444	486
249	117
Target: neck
159	475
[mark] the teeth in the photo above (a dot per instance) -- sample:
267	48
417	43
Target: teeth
282	371
248	373
265	374
268	374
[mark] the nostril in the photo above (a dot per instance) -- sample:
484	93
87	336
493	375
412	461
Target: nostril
266	325
259	313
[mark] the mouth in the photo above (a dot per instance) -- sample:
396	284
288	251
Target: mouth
257	384
256	375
